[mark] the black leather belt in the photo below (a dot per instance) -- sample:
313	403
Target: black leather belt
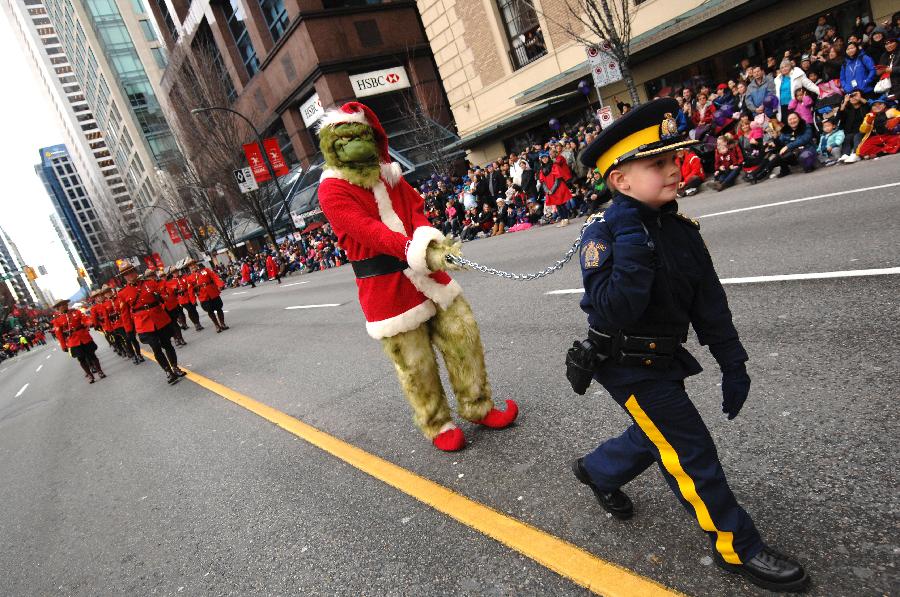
378	266
146	307
634	350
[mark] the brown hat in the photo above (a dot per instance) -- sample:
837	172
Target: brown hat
126	268
60	302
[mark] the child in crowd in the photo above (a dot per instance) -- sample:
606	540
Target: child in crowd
802	104
729	160
692	175
829	150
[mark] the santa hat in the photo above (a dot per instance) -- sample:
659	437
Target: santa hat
357	112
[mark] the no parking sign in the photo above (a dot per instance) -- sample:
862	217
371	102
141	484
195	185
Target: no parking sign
605	116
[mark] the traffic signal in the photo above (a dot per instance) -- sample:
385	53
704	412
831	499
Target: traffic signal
82	273
29	273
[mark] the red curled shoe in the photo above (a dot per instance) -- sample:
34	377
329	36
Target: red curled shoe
501	419
451	440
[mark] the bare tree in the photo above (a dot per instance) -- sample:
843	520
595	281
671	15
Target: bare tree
591	22
212	142
194	206
425	133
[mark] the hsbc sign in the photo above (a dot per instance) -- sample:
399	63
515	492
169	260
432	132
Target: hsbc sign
312	110
379	81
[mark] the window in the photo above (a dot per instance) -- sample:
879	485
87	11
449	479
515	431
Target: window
523	31
159	56
276	17
138	6
235	19
147	29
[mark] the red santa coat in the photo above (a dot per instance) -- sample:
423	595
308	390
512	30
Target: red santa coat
245	273
271	267
388	219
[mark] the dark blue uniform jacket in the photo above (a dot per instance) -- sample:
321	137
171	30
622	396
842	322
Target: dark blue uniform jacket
656	287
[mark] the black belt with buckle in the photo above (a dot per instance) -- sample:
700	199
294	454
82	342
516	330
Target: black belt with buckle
378	266
638	351
146	307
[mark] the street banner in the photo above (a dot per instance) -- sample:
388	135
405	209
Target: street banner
158	260
605	116
604	67
245	180
148	261
299	221
275	157
184	229
257	164
172	229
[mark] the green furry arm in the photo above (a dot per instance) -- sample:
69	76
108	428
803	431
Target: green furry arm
436	254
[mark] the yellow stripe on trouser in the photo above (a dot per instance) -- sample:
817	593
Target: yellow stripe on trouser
724	539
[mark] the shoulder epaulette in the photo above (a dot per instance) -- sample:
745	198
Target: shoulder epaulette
597	217
690	221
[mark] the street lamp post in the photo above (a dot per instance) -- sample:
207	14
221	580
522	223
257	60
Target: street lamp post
262	149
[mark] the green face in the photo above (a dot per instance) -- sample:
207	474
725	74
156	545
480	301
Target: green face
354	143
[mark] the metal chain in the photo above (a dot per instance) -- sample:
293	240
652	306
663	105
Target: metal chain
463	262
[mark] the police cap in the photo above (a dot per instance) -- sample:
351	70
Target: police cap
644	131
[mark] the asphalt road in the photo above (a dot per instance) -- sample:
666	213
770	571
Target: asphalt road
129	486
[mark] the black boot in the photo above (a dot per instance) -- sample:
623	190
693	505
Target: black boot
178	371
784	171
615	502
770	570
171	377
101	374
198	327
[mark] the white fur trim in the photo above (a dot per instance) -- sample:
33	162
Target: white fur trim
391	173
329	173
404	322
415	251
337	116
386	209
442	294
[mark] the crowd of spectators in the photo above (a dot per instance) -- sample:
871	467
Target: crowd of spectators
312	251
21	340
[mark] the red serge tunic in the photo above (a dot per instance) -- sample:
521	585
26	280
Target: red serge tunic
167	291
71	329
98	317
388	219
207	284
142	303
184	289
113	319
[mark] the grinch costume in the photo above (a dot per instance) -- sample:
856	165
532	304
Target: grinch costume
409	301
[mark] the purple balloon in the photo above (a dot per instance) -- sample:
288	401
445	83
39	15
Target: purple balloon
554	124
807	159
721	118
584	87
770	104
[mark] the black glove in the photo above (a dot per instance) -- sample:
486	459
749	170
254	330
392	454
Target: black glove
624	222
735	388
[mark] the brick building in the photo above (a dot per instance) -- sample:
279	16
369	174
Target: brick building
288	60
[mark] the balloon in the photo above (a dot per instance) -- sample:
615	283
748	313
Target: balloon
554	124
721	118
770	104
807	159
584	87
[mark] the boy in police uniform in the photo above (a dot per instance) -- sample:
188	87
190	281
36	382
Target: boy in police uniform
648	276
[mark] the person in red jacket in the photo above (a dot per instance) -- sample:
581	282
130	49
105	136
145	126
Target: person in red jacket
556	190
97	318
142	301
72	332
272	268
247	274
208	287
170	304
114	325
186	297
729	160
692	175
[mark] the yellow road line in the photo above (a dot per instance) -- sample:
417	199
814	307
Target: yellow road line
562	557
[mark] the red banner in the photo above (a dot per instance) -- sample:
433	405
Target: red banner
172	229
185	229
158	260
148	260
255	160
275	157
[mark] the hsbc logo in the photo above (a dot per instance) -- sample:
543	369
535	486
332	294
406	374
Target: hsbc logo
380	81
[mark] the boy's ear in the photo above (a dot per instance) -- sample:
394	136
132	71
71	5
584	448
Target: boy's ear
617	180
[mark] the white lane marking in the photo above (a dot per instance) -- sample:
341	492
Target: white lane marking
3	371
836	194
21	391
38	370
294	283
853	273
241	292
48	357
314	306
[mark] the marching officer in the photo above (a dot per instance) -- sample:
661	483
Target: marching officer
120	327
72	332
186	297
173	284
141	300
170	304
97	318
648	276
207	286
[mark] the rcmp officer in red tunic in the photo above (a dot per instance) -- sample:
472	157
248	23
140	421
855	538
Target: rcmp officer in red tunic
208	287
142	301
71	329
170	304
184	290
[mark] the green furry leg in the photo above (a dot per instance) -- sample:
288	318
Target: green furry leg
455	332
417	370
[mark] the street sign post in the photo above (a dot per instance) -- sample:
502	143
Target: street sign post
605	116
245	180
604	67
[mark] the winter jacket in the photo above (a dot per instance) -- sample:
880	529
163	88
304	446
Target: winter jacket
691	166
684	124
803	108
733	157
703	115
794	139
757	92
858	73
798	80
829	140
